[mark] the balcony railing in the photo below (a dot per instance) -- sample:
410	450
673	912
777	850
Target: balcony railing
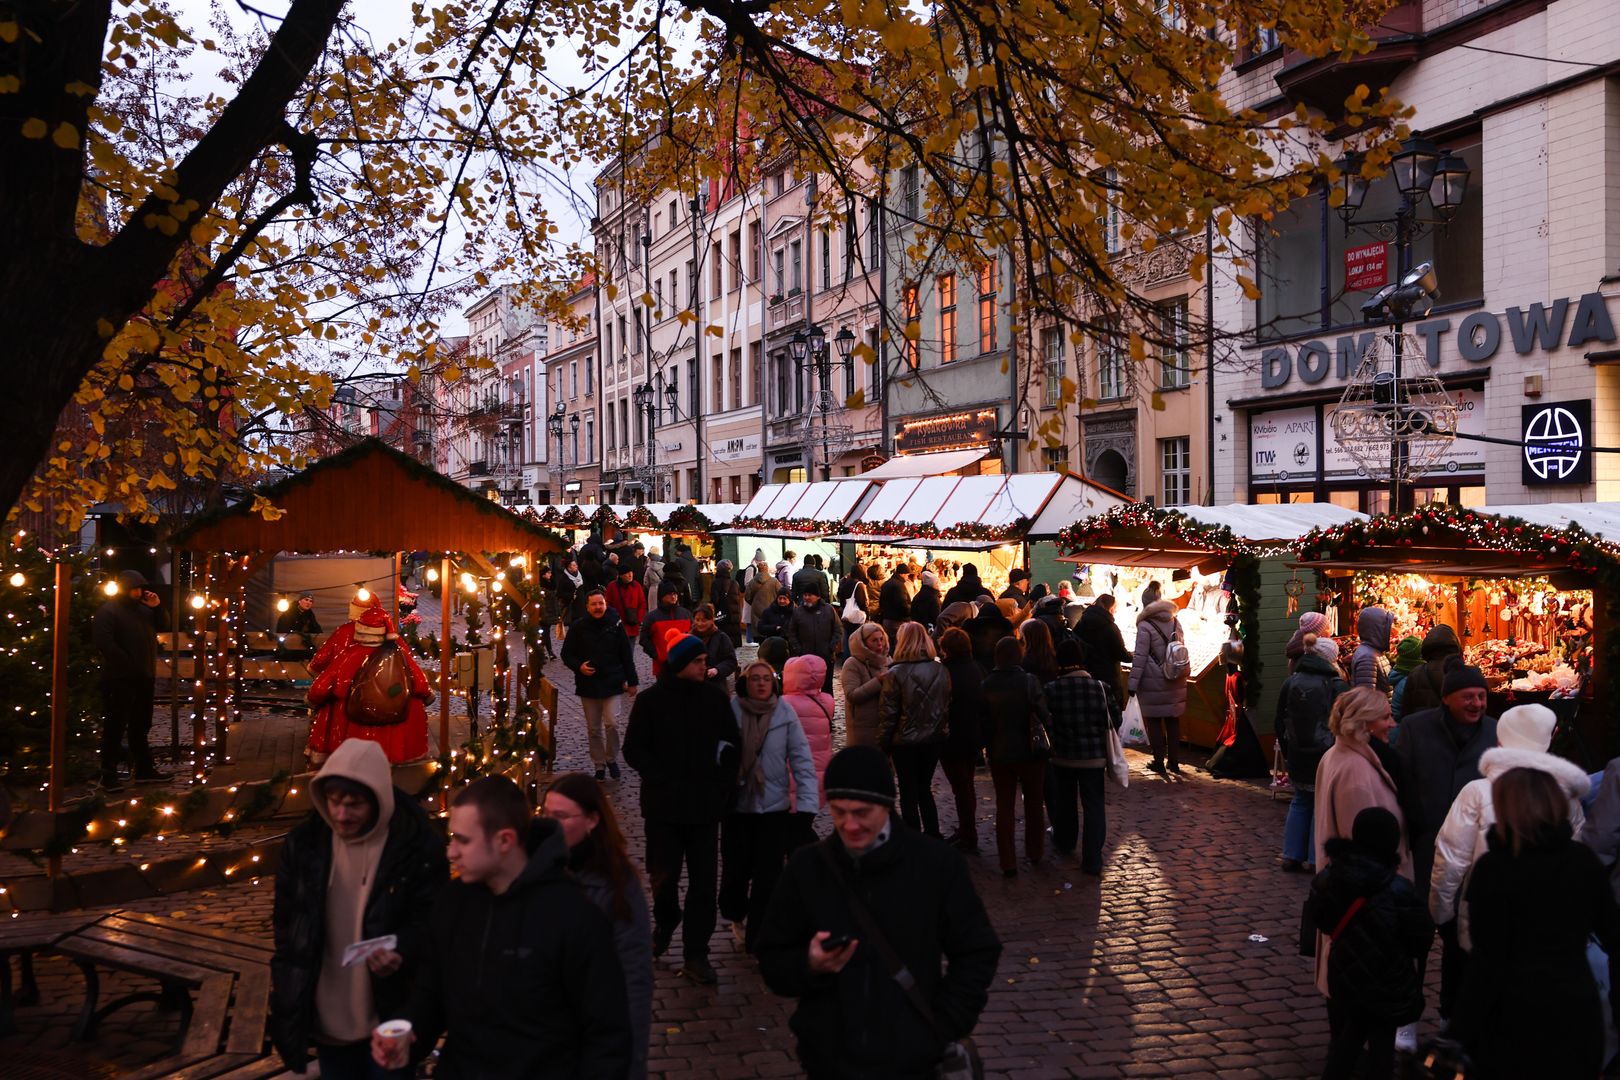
478	468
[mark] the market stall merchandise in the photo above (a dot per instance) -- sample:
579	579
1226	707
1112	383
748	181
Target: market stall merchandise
1225	566
1525	587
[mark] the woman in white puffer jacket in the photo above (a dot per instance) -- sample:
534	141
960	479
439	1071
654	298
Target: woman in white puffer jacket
1523	735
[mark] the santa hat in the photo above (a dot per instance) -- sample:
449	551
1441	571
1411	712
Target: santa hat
372	628
358	609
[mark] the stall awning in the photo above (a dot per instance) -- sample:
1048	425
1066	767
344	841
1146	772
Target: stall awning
1156	541
1272	522
990	501
914	465
1599	518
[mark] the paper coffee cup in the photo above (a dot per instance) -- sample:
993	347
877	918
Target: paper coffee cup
394	1030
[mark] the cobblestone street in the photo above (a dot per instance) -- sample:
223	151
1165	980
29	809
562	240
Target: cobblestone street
1150	971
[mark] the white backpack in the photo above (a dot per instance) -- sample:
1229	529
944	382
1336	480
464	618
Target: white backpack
1177	662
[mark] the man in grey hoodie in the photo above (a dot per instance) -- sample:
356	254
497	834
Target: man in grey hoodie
1367	666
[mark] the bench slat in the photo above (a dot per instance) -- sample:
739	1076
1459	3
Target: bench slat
239	954
169	1066
115	956
177	951
188	928
259	1070
250	1013
213	1001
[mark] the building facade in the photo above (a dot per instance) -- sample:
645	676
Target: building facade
1522	334
491	411
570	427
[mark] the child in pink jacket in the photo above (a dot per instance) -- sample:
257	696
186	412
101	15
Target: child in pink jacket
802	679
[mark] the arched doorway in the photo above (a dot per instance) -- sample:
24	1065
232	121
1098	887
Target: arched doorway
1111	470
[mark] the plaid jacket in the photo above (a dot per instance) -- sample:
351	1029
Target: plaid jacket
1081	712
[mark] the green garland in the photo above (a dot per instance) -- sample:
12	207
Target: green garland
689	519
642	519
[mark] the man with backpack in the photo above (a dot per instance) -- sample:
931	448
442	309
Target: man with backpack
1159	672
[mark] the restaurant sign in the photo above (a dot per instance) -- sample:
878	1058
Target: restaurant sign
974	430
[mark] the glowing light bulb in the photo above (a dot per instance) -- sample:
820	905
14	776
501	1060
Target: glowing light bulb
283	604
469	583
517	560
495	586
363	595
432	574
199	601
110	588
18	580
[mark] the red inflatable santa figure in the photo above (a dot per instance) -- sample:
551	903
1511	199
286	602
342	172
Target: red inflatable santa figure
368	688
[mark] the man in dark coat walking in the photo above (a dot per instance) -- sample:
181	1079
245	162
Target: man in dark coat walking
894	602
598	652
687	567
653	641
125	633
853	1019
1104	644
683	741
813	631
810	575
520	972
365	863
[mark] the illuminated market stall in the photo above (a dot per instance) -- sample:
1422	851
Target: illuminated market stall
1525	587
1226	568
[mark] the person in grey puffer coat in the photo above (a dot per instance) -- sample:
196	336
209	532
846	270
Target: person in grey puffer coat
862	676
913	722
1367	666
1162	699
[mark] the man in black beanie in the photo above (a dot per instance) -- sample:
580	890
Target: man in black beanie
854	1018
666	623
1439	751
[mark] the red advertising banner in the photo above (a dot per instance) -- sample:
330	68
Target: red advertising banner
1366	267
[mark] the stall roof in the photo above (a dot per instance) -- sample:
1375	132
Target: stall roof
994	500
819	500
369	497
1599	518
1273	522
912	465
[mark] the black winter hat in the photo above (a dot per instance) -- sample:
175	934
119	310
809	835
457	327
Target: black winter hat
861	773
1462	677
668	587
1377	834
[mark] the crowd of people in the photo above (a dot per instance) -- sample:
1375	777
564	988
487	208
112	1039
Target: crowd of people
1423	816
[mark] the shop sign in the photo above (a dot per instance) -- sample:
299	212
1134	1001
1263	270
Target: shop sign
572	487
1282	445
1464	458
1556	436
956	431
1366	267
740	449
872	461
1480	336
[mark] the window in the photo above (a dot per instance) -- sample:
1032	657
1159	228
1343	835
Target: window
756	254
590	435
913	319
658	224
1175	461
623	337
736	378
1107	183
573	378
779	183
1055	458
574	432
675	289
826	259
674	212
851	238
1110	368
736	260
874	376
673	400
590	382
612	431
778	260
756	373
779	361
691	284
638	327
658	299
947	318
1294	264
624	424
1175	362
717	384
1169	13
987	307
795	267
909	193
874	234
717	284
693	405
1266	39
849	375
1052	357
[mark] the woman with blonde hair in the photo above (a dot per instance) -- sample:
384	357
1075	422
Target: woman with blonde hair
912	722
1349	779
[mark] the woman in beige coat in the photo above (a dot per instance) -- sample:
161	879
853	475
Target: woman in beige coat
1349	780
862	677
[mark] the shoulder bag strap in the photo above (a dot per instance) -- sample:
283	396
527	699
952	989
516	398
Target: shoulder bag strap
1355	908
874	937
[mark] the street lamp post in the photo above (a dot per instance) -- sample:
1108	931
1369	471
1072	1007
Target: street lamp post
645	397
554	424
811	344
1420	170
698	204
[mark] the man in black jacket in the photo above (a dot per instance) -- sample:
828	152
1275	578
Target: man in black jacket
687	567
1105	646
853	1019
810	575
125	633
1015	590
597	651
520	971
671	611
894	602
813	631
683	741
774	622
365	863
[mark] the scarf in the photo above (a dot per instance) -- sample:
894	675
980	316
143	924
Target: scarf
573	575
756	723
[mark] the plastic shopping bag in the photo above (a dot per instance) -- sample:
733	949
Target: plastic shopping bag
1133	732
1119	770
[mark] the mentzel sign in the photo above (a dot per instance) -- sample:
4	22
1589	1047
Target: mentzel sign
1479	338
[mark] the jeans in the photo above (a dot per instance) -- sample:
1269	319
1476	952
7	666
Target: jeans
127	709
1164	736
669	844
1008	778
1350	1030
753	850
602	727
914	775
1086	784
1299	831
958	769
353	1062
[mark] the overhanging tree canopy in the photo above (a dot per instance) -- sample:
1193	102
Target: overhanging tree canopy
370	497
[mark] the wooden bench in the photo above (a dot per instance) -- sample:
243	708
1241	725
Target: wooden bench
222	1028
22	938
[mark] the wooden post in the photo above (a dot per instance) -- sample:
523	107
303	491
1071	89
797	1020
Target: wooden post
59	692
444	659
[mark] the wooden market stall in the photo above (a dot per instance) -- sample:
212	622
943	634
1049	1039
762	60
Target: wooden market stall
1527	588
368	498
1208	559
